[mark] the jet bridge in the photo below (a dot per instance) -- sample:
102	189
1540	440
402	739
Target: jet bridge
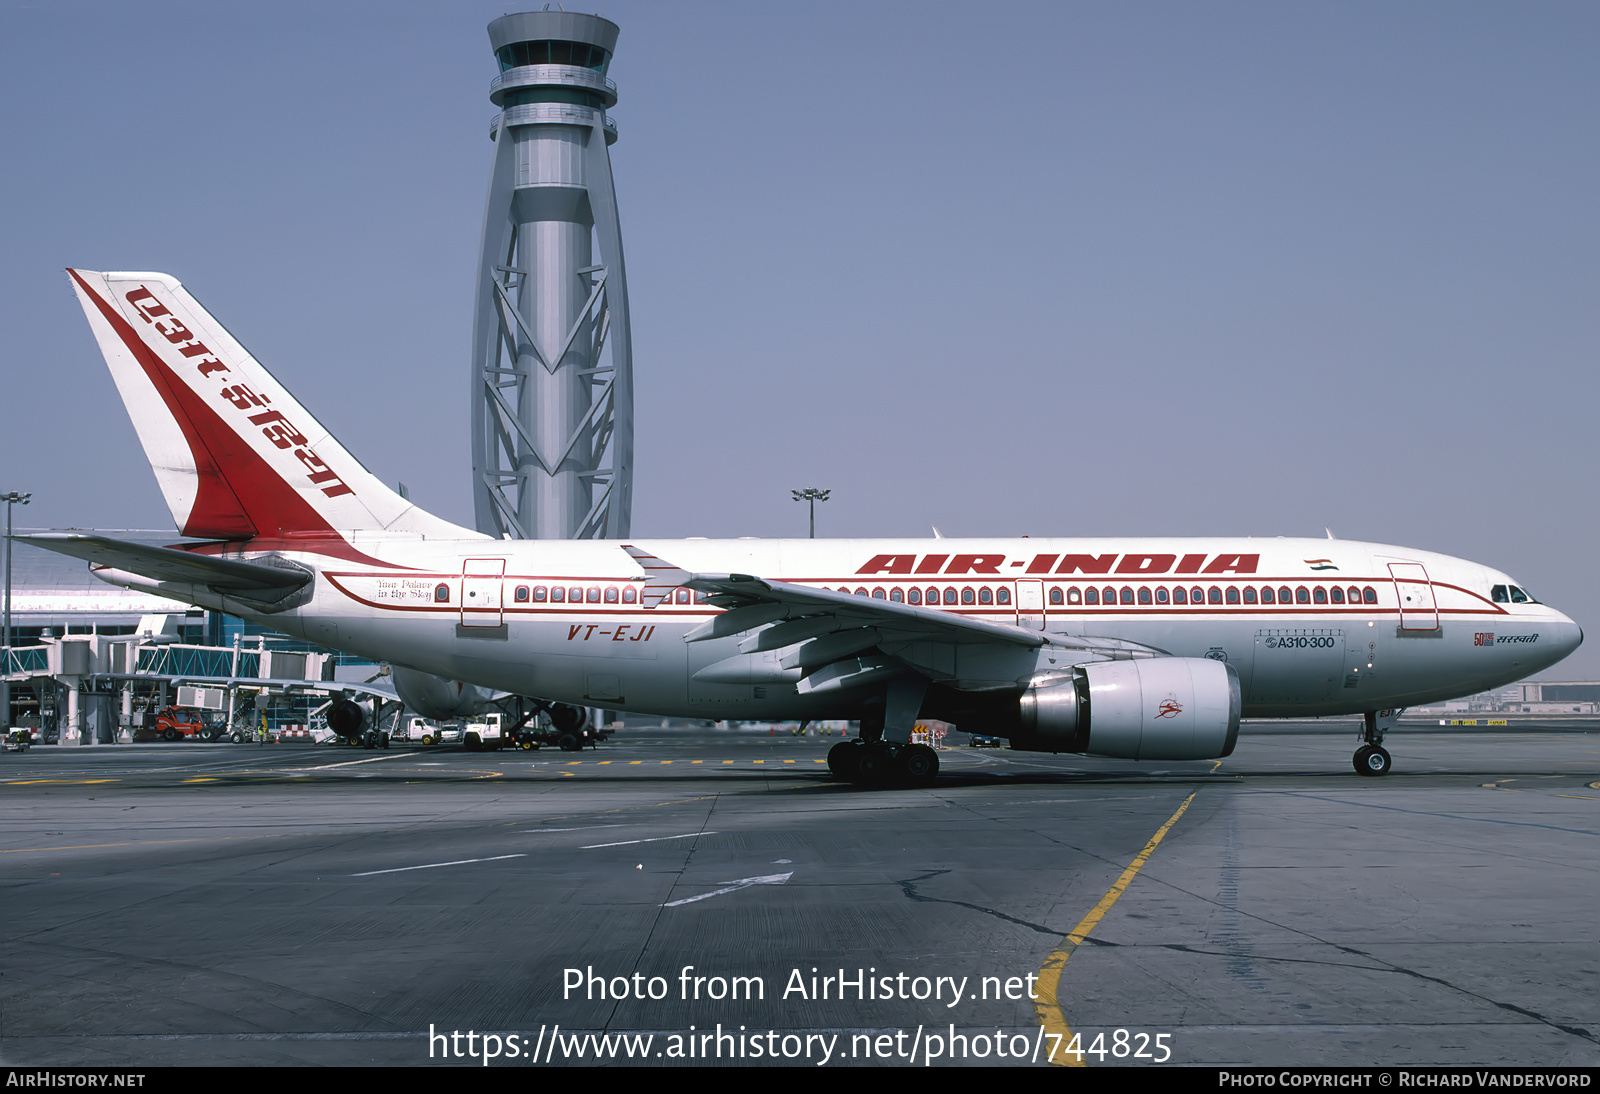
102	688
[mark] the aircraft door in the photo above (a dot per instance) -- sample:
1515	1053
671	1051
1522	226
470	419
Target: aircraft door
1418	609
481	592
1030	603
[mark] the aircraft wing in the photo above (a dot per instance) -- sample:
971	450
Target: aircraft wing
833	629
170	564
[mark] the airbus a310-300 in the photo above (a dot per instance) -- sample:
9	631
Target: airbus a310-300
1147	649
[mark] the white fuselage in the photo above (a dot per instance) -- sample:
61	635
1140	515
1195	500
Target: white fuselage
1313	627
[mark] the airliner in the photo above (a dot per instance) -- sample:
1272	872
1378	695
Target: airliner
1141	649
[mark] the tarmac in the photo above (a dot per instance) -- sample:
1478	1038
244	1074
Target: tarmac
706	897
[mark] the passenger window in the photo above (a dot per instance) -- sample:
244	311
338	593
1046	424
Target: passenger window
441	593
1197	595
558	595
540	594
1091	595
1003	596
1302	595
594	594
1127	595
1320	595
1249	594
1214	596
861	591
933	597
1233	594
574	595
949	596
1108	595
1144	594
1369	595
522	594
630	595
702	598
877	594
1074	596
1355	595
1056	595
913	596
681	596
1285	595
1337	594
1180	595
986	595
1162	596
1266	594
968	596
897	595
611	594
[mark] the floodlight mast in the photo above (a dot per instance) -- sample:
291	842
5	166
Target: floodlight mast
552	357
812	495
11	498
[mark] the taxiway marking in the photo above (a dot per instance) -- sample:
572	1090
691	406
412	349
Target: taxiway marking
733	887
653	839
436	865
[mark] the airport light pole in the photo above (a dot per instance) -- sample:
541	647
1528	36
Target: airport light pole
11	499
813	495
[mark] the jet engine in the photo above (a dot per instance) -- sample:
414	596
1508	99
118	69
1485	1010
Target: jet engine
347	718
1159	708
438	698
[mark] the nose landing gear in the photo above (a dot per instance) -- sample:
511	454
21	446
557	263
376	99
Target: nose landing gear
1372	759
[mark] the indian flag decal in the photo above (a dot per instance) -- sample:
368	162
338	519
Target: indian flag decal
1321	563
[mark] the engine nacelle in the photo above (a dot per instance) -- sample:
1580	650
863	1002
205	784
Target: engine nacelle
438	698
346	717
1158	708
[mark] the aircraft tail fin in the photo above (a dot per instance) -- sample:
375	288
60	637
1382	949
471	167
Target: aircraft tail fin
237	457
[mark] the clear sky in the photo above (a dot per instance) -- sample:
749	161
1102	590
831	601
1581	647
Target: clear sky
1044	268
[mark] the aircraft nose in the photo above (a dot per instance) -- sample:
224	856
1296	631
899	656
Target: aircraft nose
1565	636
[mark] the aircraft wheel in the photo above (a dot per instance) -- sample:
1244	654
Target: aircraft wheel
919	765
1371	761
568	742
843	760
874	765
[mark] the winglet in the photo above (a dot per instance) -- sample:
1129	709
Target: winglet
662	576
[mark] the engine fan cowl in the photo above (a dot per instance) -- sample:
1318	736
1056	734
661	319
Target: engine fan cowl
1159	708
346	717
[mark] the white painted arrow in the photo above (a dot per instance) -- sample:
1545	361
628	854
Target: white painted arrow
733	887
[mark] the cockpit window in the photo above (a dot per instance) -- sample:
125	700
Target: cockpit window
1521	596
1499	595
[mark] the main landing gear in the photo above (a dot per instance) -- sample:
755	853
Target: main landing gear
883	763
1372	759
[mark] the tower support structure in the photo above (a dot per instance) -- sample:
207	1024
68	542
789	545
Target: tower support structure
552	355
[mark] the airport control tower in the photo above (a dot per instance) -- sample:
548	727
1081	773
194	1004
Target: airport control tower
552	363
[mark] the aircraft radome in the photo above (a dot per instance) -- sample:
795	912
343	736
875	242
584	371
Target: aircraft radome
1144	649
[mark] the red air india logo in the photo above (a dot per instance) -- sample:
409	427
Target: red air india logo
1169	708
273	425
1111	563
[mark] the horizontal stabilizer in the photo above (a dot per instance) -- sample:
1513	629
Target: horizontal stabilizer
170	564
